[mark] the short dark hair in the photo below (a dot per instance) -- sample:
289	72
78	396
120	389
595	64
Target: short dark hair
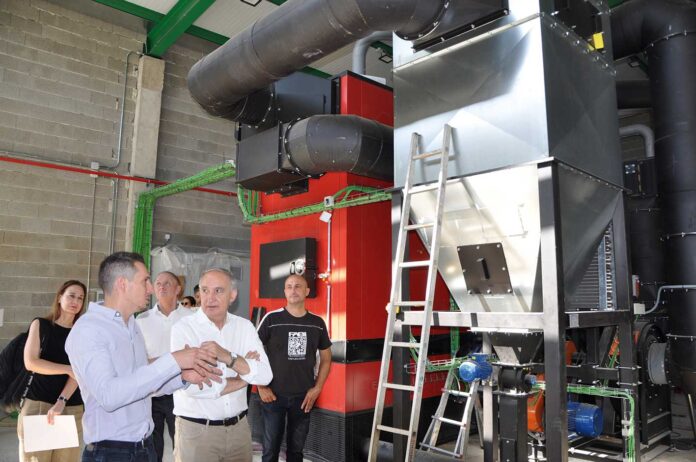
116	265
196	288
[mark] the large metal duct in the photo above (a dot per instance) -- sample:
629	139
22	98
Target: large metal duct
223	81
666	31
341	143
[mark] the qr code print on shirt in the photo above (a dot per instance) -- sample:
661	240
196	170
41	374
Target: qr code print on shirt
297	345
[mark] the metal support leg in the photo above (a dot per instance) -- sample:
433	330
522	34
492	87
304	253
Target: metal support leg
513	428
490	414
556	412
628	372
628	375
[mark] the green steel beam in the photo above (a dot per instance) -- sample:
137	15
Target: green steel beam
208	35
174	24
613	3
154	16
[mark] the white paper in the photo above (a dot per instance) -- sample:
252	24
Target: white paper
40	436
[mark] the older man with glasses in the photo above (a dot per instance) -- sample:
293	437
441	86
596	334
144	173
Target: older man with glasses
156	326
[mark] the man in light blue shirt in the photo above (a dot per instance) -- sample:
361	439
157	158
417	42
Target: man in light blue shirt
107	353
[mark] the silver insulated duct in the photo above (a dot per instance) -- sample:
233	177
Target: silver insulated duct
520	89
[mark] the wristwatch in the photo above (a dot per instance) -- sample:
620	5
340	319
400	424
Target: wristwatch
62	398
234	359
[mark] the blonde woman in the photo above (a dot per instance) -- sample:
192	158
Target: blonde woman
53	388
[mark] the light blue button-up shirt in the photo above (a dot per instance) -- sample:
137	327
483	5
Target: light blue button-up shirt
110	362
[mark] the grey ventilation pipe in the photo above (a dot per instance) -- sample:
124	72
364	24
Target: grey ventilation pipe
341	143
294	35
361	47
666	31
644	132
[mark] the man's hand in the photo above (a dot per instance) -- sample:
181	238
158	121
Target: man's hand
266	394
310	398
198	359
220	353
57	409
195	378
255	355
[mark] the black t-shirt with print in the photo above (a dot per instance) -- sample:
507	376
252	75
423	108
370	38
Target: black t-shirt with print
291	345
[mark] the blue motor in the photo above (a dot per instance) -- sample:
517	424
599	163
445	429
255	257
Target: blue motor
585	419
476	368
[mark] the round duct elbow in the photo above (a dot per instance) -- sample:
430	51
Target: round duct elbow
341	143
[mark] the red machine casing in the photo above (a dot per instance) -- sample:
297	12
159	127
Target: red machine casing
360	270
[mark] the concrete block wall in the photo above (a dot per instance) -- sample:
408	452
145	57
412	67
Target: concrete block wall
190	141
61	84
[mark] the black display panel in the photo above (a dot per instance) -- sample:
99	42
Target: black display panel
280	259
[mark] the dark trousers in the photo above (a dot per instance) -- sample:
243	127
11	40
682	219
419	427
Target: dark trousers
274	416
108	451
162	411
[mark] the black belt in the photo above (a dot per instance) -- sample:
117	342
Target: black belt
123	444
220	423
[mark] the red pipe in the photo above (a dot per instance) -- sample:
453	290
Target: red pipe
104	174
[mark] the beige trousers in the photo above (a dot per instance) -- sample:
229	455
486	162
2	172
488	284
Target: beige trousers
31	407
195	442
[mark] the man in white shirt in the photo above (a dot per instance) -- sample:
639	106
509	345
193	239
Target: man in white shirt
210	423
156	326
107	354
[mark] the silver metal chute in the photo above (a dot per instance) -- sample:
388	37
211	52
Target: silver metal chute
502	208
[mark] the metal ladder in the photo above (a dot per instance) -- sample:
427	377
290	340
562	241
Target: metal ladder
396	303
472	404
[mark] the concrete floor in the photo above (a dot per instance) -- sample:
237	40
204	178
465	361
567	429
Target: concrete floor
9	444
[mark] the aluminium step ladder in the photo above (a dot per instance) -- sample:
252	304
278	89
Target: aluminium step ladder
473	404
396	303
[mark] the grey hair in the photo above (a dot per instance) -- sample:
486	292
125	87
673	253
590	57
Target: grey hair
226	272
116	265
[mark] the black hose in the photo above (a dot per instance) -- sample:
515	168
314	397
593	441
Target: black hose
341	143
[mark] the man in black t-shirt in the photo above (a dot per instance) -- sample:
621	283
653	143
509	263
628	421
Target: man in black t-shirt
292	336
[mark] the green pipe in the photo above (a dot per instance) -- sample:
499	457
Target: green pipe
609	392
144	209
248	203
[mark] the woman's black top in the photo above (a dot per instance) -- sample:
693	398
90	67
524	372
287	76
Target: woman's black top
47	388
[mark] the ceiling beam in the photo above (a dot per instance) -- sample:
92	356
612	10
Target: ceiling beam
173	25
156	17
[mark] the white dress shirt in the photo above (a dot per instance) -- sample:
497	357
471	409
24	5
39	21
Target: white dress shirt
237	336
157	328
109	360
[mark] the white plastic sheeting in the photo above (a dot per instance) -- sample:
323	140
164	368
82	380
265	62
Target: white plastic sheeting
191	265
